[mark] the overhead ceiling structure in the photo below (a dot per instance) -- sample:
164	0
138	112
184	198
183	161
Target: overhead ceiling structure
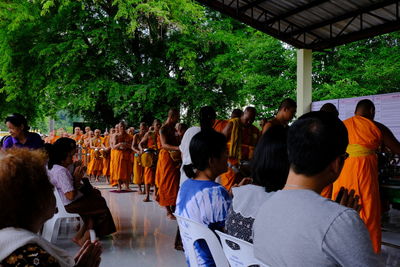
314	24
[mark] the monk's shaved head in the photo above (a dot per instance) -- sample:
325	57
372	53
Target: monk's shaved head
365	108
172	111
251	110
173	115
236	113
248	116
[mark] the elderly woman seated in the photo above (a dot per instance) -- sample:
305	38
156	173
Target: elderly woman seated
76	196
26	202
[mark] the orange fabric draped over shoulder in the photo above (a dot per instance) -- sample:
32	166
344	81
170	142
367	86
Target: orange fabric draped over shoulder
360	173
219	125
249	138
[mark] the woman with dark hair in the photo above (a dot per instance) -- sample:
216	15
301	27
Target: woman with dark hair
200	198
26	202
76	196
269	170
19	134
207	117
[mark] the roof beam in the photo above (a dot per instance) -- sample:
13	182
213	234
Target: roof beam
356	36
296	10
243	9
232	12
342	17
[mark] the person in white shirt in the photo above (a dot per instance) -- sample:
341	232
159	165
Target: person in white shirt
298	227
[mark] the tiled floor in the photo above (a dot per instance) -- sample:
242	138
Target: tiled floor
144	237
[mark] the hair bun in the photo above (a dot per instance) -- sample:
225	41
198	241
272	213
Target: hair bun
189	170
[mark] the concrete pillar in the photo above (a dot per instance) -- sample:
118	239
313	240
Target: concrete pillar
51	125
304	81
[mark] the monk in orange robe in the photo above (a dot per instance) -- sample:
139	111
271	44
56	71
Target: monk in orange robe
138	169
122	169
77	134
168	172
243	137
95	166
150	141
85	146
113	178
219	125
286	112
52	138
106	149
360	171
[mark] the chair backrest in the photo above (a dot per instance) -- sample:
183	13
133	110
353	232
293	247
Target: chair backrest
242	253
191	232
60	205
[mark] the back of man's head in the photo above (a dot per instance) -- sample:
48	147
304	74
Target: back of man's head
314	141
207	117
365	108
236	113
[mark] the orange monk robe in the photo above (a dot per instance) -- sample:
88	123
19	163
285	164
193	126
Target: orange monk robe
249	140
138	169
95	166
157	180
113	166
360	173
327	191
219	125
76	137
122	164
167	175
52	140
85	151
150	172
106	158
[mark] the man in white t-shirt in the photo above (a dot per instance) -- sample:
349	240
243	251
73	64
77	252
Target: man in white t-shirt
298	227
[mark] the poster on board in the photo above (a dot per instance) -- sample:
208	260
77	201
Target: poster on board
387	109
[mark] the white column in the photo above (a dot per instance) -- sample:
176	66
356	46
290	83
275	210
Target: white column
51	124
304	81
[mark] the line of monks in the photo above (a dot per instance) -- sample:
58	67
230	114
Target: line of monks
152	157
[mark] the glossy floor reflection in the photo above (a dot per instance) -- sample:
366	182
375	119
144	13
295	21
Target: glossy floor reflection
144	237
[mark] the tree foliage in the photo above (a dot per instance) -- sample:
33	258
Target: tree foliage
108	60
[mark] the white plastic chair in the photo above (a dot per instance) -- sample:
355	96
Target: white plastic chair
52	226
191	232
243	256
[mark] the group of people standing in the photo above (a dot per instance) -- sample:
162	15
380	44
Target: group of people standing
272	186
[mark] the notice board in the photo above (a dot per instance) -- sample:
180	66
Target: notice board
387	109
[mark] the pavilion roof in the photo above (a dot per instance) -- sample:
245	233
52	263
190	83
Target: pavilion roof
314	24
